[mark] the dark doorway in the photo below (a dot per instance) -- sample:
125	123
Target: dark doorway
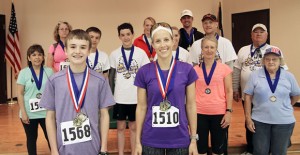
3	82
242	24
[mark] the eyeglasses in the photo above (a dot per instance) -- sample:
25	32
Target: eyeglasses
272	59
64	29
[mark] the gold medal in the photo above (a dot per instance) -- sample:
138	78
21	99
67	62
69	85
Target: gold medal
165	105
79	119
273	98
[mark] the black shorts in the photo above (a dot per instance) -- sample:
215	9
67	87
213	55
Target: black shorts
124	112
211	124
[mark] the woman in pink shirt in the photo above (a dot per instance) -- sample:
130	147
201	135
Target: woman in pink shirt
213	99
56	58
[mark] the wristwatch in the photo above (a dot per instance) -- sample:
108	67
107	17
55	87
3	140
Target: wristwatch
196	137
229	110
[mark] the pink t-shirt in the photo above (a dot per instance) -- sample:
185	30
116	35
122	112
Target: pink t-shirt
215	102
59	56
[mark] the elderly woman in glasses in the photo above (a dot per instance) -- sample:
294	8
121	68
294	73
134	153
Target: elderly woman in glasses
166	101
273	92
57	59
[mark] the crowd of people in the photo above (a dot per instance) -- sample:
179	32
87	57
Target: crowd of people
174	87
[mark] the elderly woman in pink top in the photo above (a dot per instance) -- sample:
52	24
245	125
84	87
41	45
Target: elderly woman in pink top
57	59
213	99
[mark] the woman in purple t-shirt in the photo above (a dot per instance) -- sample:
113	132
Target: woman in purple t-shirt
166	101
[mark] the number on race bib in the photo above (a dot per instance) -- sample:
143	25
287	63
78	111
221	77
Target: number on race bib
34	105
71	134
168	118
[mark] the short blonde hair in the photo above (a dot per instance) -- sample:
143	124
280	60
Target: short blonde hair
56	29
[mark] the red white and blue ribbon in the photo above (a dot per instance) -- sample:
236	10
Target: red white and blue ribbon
95	61
77	95
165	85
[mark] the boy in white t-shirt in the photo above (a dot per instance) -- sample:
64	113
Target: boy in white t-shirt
125	62
97	60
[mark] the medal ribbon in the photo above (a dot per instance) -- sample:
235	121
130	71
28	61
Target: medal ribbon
274	85
76	94
148	45
165	85
189	38
217	36
62	45
258	48
95	61
208	78
38	82
127	63
177	54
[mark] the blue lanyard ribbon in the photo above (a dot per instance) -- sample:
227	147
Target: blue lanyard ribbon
258	48
189	38
61	44
95	61
38	82
127	63
208	78
166	85
177	54
148	45
274	85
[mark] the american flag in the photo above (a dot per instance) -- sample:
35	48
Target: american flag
12	52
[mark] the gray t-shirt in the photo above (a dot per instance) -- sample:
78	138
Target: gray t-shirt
56	97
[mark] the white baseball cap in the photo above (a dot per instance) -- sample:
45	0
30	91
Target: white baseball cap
259	25
186	13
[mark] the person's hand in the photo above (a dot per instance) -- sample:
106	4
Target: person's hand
138	149
250	125
236	96
193	147
226	120
25	118
54	152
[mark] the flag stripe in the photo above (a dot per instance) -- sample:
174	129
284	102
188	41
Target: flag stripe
12	52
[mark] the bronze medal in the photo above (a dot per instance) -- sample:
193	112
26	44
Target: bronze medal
151	59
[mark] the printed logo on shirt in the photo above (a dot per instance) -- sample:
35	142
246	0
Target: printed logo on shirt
121	68
254	63
98	68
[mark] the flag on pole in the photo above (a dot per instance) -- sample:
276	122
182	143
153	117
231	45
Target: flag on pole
220	20
12	52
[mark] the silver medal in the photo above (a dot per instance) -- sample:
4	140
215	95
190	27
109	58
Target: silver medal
38	95
207	91
273	98
127	75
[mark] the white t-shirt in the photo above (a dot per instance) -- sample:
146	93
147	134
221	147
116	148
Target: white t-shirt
103	61
125	91
248	64
184	56
225	50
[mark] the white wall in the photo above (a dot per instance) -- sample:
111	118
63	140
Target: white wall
37	18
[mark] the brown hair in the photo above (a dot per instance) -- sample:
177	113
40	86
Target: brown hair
56	29
78	34
32	49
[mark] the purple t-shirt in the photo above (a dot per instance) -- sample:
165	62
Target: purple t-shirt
166	137
56	97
